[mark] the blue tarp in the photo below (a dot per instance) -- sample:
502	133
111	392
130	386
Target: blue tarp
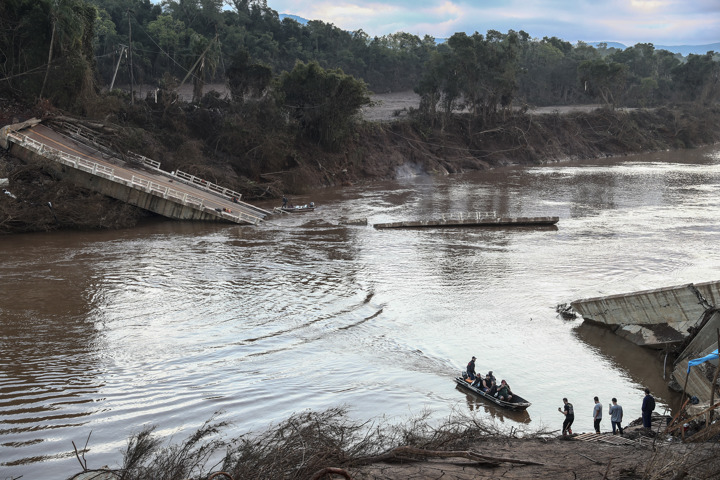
698	361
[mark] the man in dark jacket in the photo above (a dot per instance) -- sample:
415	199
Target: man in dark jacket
471	369
569	413
648	406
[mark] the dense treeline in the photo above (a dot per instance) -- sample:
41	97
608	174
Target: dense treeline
289	122
79	41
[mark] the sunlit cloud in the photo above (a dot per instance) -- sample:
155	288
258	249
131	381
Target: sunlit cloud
664	22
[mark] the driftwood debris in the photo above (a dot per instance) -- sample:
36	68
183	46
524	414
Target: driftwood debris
688	420
330	471
412	453
97	126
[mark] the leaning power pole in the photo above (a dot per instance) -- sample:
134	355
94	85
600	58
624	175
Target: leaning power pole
132	93
122	50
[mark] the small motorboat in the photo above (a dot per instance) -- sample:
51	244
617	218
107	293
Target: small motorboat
515	403
298	208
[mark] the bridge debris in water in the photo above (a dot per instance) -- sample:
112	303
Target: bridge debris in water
683	320
473	220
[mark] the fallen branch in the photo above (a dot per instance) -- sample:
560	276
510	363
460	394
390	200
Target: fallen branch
607	470
213	475
330	471
688	420
404	451
591	459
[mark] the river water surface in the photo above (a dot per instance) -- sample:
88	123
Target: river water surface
102	333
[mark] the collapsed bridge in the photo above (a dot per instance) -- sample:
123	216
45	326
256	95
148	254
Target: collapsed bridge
138	181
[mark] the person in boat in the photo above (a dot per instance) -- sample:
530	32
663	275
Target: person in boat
504	392
490	383
312	204
285	201
480	383
470	370
569	413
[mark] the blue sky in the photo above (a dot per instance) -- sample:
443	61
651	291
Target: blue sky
661	22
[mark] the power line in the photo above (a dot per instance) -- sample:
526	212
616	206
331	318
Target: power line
161	49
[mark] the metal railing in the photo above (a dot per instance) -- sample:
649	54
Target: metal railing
165	192
137	183
65	158
192	179
144	160
469	216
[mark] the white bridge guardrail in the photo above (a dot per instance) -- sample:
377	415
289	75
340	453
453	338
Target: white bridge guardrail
64	158
192	179
225	192
144	160
135	182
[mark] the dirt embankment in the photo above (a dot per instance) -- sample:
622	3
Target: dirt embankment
461	144
406	146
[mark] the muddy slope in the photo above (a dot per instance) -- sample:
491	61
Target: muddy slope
405	147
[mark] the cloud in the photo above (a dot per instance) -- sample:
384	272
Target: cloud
663	22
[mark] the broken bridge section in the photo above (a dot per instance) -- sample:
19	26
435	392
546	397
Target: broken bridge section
138	182
652	318
683	319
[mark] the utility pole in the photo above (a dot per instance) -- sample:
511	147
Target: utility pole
122	50
132	93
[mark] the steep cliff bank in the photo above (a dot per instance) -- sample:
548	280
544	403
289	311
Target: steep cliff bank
389	150
376	150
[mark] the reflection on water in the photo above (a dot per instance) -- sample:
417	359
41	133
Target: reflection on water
482	407
168	323
640	365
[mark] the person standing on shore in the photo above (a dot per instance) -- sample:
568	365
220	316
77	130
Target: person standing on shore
616	415
569	413
648	406
597	415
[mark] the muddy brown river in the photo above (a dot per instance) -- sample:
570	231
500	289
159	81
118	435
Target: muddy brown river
102	333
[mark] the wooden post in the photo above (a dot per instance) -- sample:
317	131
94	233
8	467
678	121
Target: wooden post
687	376
132	79
712	385
122	51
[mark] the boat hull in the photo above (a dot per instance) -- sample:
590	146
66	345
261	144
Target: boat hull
297	210
517	403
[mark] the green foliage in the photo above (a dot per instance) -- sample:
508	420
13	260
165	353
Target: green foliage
324	102
46	46
480	70
246	78
485	73
698	80
603	78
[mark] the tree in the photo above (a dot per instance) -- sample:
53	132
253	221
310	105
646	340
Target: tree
167	33
603	78
67	25
324	102
698	80
207	52
246	78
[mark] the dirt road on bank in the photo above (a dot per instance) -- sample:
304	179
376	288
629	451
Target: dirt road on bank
387	106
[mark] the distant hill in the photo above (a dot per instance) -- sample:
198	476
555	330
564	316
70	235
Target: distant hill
688	49
300	20
681	49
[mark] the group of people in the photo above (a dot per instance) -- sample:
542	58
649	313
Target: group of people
488	383
285	204
615	411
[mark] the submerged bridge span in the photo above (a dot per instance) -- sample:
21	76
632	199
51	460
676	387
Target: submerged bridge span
140	181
